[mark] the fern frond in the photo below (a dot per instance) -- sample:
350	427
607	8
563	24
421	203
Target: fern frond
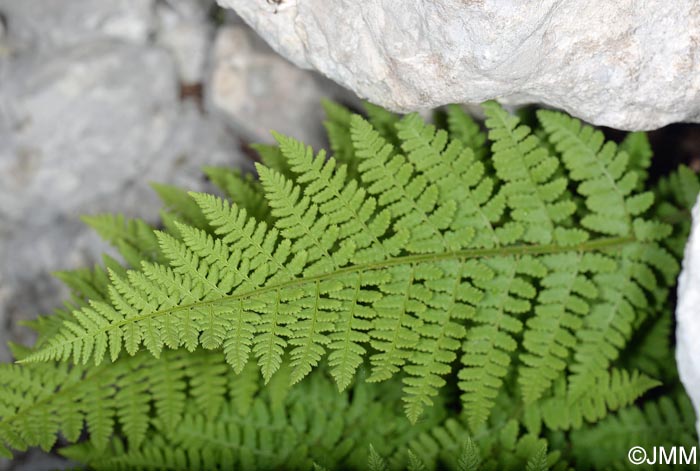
134	238
242	189
610	391
424	258
667	422
267	434
41	400
133	396
645	269
466	307
180	203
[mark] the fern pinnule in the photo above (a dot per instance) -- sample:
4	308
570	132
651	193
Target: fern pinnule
533	191
460	177
412	200
241	189
465	128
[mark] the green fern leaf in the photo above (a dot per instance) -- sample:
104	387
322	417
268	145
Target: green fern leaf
466	129
534	192
180	203
469	457
423	258
375	462
241	189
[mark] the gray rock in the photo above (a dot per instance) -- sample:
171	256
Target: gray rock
94	110
184	29
42	24
257	91
625	64
688	316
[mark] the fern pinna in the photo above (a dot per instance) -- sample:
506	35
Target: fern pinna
503	280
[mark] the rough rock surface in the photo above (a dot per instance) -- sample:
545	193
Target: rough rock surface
688	316
35	25
625	64
256	90
184	29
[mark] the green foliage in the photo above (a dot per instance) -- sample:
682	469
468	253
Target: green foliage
426	298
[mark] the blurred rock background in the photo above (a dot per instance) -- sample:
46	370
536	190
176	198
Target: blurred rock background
99	98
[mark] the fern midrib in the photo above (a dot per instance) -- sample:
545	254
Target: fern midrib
602	243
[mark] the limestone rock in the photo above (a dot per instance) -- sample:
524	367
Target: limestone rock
258	91
38	24
688	316
625	64
184	29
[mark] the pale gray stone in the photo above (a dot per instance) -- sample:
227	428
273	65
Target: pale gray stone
258	91
45	24
184	29
688	316
625	64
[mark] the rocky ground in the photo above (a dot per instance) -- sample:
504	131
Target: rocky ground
97	99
